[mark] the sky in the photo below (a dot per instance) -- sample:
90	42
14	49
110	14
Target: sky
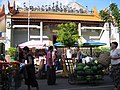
100	4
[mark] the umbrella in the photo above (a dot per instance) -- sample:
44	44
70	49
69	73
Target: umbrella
59	44
31	44
91	44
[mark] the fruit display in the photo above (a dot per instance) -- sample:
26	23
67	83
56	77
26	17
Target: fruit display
90	71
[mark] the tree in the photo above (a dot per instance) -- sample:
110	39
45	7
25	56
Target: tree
116	14
67	34
111	15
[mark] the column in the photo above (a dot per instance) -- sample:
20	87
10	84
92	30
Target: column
79	33
79	29
41	32
8	33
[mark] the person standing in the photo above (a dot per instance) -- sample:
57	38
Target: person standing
29	69
51	74
19	54
115	62
79	56
55	58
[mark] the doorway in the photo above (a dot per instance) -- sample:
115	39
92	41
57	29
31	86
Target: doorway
54	39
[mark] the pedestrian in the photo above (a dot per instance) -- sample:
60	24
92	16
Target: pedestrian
41	56
51	74
115	62
19	54
79	55
29	69
55	59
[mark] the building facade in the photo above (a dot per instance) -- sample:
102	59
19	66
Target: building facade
2	24
40	23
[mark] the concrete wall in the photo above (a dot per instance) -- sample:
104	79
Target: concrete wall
21	35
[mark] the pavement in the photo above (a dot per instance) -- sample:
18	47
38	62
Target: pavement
62	84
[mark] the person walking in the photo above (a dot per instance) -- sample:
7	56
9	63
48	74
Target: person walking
51	74
115	62
29	69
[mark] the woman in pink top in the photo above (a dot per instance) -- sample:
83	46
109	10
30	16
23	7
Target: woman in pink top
51	74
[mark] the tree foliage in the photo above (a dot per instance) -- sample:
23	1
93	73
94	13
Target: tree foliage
111	14
12	51
105	15
67	34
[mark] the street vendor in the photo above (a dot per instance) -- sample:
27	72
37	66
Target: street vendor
115	62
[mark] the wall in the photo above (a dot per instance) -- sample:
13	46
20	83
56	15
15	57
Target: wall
87	33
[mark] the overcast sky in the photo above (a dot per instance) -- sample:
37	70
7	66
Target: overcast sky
100	4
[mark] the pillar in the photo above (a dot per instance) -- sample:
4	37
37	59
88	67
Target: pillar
8	33
41	32
79	33
79	29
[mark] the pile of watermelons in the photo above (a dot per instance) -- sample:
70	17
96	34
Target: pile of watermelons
90	71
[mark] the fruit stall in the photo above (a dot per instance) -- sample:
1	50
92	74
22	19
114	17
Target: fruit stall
90	72
9	75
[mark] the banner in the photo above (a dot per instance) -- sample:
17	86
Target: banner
2	23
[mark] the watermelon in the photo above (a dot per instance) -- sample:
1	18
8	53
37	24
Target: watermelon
80	78
81	64
100	66
98	77
86	67
94	68
89	72
89	78
80	73
79	68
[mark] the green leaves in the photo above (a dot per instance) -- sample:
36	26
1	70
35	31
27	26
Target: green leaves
12	51
67	34
105	15
111	15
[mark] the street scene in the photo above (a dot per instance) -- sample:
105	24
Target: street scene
59	45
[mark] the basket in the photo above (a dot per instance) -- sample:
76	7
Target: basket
104	59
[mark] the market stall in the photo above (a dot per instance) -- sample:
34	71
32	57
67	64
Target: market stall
9	75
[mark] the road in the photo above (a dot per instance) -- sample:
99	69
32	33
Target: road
62	84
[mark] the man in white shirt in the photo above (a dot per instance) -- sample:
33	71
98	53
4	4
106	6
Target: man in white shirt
115	62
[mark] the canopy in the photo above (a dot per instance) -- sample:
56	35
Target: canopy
91	44
32	43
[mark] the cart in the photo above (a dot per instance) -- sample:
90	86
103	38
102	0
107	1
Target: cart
86	76
73	79
9	75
